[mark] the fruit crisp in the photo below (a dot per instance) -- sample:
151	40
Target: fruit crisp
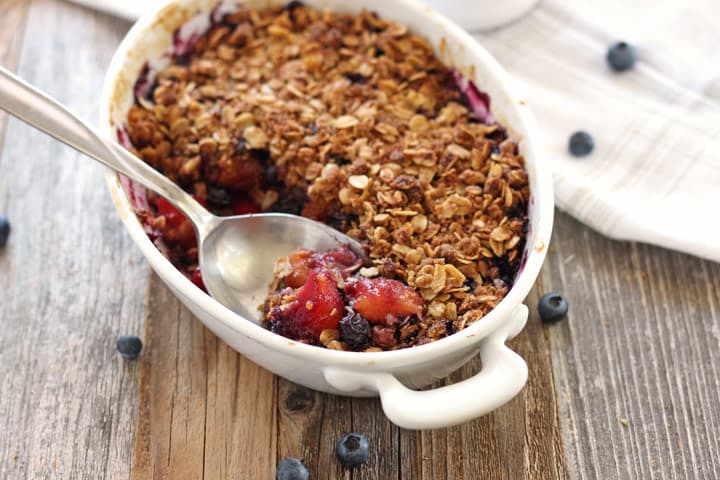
350	120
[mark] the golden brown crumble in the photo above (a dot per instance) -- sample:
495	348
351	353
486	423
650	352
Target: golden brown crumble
353	121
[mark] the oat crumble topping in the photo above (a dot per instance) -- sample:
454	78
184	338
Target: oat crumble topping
350	120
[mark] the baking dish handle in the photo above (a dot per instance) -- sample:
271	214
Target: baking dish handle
503	375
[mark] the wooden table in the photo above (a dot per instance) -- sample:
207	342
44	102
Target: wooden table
627	387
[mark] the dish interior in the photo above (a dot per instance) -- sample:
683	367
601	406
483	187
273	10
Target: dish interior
170	43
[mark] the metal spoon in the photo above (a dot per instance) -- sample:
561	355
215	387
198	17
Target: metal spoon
237	254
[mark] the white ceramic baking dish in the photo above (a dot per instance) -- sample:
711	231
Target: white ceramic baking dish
396	375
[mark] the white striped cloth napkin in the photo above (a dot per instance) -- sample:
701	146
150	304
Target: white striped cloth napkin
654	175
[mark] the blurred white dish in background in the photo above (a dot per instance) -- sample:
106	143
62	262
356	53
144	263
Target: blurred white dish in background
473	15
476	15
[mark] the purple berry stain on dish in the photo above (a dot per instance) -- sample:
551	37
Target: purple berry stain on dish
123	137
184	42
478	101
185	37
216	14
135	192
144	85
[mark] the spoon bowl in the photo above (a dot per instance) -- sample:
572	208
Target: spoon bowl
237	254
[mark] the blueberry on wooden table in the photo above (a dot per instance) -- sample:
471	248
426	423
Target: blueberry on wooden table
291	469
621	56
4	231
581	144
552	307
129	346
353	450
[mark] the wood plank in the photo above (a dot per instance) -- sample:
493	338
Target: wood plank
307	422
201	402
13	14
175	366
641	344
241	428
72	281
368	418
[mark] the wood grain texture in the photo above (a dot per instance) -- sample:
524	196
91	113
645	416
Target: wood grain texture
205	411
520	441
626	388
594	362
13	14
641	345
67	402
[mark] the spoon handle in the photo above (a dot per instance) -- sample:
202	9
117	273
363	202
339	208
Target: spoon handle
42	112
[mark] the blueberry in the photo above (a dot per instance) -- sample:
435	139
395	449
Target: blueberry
621	56
353	450
356	78
294	4
552	307
291	469
581	144
262	155
291	201
4	231
240	146
355	330
449	327
129	347
338	219
271	175
219	196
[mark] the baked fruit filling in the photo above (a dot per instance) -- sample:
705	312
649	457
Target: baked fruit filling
350	120
319	297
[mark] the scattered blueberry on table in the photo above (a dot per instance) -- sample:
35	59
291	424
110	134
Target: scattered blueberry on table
581	144
552	307
4	231
291	469
353	450
129	347
621	56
